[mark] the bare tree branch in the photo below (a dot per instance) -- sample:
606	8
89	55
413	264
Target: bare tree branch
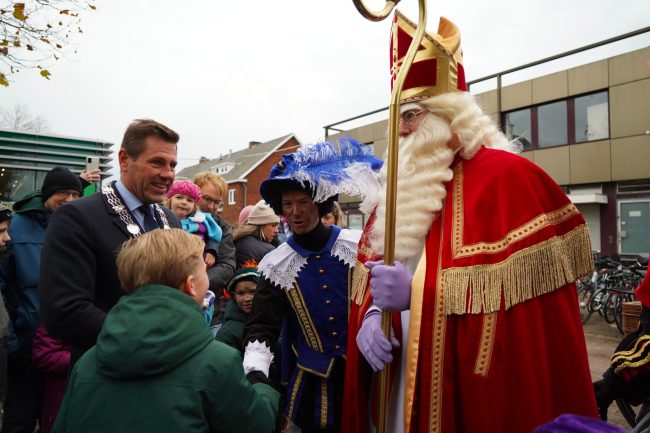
36	33
19	118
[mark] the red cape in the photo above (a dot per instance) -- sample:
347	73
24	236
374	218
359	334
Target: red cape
495	341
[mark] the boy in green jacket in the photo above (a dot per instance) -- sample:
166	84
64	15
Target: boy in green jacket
156	367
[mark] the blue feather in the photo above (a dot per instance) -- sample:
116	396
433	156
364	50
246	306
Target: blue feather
329	168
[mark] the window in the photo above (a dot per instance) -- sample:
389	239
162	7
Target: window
574	120
223	168
16	183
552	124
634	186
231	196
518	126
591	117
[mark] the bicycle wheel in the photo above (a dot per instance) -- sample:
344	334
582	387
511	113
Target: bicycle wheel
596	302
584	299
618	312
609	307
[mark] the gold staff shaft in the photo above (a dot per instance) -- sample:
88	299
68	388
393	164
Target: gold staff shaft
391	181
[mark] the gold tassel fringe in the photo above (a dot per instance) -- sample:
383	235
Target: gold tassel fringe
359	282
526	274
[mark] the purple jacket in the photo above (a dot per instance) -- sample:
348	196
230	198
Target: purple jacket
51	356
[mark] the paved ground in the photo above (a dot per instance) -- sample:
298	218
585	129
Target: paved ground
602	339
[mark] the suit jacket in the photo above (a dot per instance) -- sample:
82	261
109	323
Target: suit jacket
78	276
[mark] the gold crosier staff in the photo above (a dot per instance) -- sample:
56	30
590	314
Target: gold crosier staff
391	181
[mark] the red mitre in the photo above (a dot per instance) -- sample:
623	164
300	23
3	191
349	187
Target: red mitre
438	64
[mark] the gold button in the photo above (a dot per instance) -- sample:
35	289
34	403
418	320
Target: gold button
335	334
321	271
331	318
325	287
337	347
317	257
328	302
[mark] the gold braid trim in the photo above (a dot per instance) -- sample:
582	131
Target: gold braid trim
639	355
294	392
323	404
526	274
359	282
486	345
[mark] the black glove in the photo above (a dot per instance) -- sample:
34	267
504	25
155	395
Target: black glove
256	376
605	395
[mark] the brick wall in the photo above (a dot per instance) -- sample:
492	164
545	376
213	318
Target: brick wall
252	188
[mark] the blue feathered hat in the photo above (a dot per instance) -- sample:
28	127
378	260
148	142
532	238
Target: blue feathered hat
324	170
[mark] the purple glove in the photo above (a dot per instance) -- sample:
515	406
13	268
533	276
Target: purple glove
372	342
390	286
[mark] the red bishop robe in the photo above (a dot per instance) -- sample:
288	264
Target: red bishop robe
495	343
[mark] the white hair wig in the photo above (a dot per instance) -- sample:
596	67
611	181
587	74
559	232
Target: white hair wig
424	163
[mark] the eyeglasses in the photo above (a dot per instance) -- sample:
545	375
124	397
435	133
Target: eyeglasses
68	192
209	201
409	116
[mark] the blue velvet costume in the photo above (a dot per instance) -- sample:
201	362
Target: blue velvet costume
309	295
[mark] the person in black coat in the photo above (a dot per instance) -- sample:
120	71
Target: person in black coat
78	275
253	239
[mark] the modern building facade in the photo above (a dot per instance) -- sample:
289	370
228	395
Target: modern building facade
25	158
588	127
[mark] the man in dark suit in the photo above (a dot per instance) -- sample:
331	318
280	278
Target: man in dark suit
78	275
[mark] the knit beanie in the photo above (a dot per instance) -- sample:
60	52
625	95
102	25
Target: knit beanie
262	214
5	213
243	215
57	179
246	273
185	187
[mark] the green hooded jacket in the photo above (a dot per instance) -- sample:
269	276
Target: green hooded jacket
156	368
232	330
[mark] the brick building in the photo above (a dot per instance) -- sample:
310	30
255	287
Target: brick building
243	171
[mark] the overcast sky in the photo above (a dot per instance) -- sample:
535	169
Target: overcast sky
223	73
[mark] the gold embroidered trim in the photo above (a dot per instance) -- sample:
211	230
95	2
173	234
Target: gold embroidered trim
316	373
359	283
365	251
631	358
298	305
629	364
522	232
294	391
486	345
528	273
323	404
350	276
438	344
627	353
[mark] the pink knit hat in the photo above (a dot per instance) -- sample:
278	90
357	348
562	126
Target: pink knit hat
243	215
185	187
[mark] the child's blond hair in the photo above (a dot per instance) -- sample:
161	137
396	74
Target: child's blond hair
164	257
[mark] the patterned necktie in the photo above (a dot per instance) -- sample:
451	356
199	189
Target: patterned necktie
150	222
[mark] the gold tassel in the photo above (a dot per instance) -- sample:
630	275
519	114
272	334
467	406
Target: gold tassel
359	282
526	274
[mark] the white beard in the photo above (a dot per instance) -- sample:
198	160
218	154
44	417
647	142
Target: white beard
423	169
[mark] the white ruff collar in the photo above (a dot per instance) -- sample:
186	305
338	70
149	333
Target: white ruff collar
281	266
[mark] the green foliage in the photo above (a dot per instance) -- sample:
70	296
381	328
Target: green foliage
36	33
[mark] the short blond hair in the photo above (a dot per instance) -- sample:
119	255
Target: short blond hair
164	257
208	177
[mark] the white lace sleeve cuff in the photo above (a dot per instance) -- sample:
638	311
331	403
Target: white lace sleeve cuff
257	357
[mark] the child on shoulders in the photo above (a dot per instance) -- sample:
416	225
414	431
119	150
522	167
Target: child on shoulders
183	198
